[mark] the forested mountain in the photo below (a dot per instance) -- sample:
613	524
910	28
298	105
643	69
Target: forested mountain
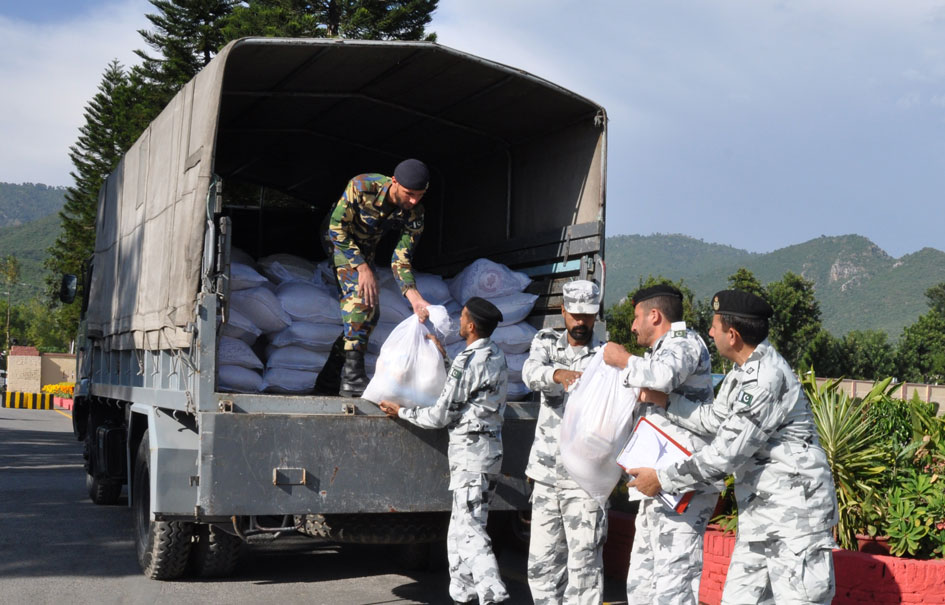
21	204
859	286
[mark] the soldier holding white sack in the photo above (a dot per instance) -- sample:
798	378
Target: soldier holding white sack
764	434
568	526
472	407
666	558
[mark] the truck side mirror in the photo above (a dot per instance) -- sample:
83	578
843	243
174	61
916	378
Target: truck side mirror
68	288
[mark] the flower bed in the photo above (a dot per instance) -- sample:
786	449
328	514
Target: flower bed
861	577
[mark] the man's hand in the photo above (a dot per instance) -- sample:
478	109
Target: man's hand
389	407
439	345
566	378
645	481
658	398
418	303
367	285
616	355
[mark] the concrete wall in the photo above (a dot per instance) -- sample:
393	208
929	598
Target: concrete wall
57	367
926	392
24	373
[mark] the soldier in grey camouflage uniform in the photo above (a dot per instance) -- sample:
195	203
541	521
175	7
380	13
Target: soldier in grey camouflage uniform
472	407
568	526
371	205
764	434
666	558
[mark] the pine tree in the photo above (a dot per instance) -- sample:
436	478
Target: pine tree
186	35
364	19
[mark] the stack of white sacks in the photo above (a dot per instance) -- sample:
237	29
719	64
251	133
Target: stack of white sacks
284	317
503	288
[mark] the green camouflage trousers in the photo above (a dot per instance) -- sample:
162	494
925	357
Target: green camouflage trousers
359	319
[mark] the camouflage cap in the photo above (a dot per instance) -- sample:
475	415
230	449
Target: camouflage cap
581	296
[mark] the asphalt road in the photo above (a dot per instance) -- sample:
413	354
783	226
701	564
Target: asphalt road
57	547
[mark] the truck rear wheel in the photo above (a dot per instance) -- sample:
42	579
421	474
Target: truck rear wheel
215	553
102	491
163	547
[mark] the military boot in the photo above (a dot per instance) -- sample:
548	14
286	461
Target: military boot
353	377
329	379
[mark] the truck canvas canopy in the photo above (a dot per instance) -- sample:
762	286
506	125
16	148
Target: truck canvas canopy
513	157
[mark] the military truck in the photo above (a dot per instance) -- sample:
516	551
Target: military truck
253	152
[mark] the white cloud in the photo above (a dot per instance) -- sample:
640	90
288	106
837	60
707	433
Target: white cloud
50	72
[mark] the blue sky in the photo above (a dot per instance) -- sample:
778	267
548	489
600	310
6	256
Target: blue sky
755	124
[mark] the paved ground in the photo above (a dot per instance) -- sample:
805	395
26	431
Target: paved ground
57	547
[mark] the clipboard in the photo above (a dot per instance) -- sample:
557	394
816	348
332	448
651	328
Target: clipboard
651	447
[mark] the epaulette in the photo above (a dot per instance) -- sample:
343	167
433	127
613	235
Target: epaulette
549	334
750	372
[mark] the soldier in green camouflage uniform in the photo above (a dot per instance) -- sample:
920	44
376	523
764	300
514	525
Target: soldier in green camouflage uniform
472	408
568	527
666	559
764	434
371	205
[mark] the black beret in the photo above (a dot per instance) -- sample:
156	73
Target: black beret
654	291
483	310
741	304
412	174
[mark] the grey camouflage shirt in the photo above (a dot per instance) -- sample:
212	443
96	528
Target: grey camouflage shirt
678	363
472	407
550	351
764	434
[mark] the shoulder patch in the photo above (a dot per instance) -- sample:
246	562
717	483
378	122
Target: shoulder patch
456	373
744	397
415	224
750	372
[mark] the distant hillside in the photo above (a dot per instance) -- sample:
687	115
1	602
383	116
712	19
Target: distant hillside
29	243
21	204
858	285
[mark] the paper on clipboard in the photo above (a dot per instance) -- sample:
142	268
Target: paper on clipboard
651	447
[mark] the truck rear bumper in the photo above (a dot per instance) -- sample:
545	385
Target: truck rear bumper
266	464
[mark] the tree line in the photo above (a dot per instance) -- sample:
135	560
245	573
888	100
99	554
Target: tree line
797	332
184	36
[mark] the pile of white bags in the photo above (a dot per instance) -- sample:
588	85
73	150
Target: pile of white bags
502	287
596	426
284	311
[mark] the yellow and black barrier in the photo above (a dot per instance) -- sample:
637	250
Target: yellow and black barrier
28	401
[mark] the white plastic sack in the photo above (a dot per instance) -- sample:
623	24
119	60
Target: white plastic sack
516	363
237	379
292	382
441	322
380	334
432	288
261	307
596	426
514	339
514	307
239	326
238	255
287	267
243	277
304	301
235	352
314	336
409	368
486	279
517	391
295	358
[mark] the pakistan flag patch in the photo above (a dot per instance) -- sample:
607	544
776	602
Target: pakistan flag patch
745	398
456	373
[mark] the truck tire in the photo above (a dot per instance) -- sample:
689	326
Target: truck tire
215	553
102	491
163	547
